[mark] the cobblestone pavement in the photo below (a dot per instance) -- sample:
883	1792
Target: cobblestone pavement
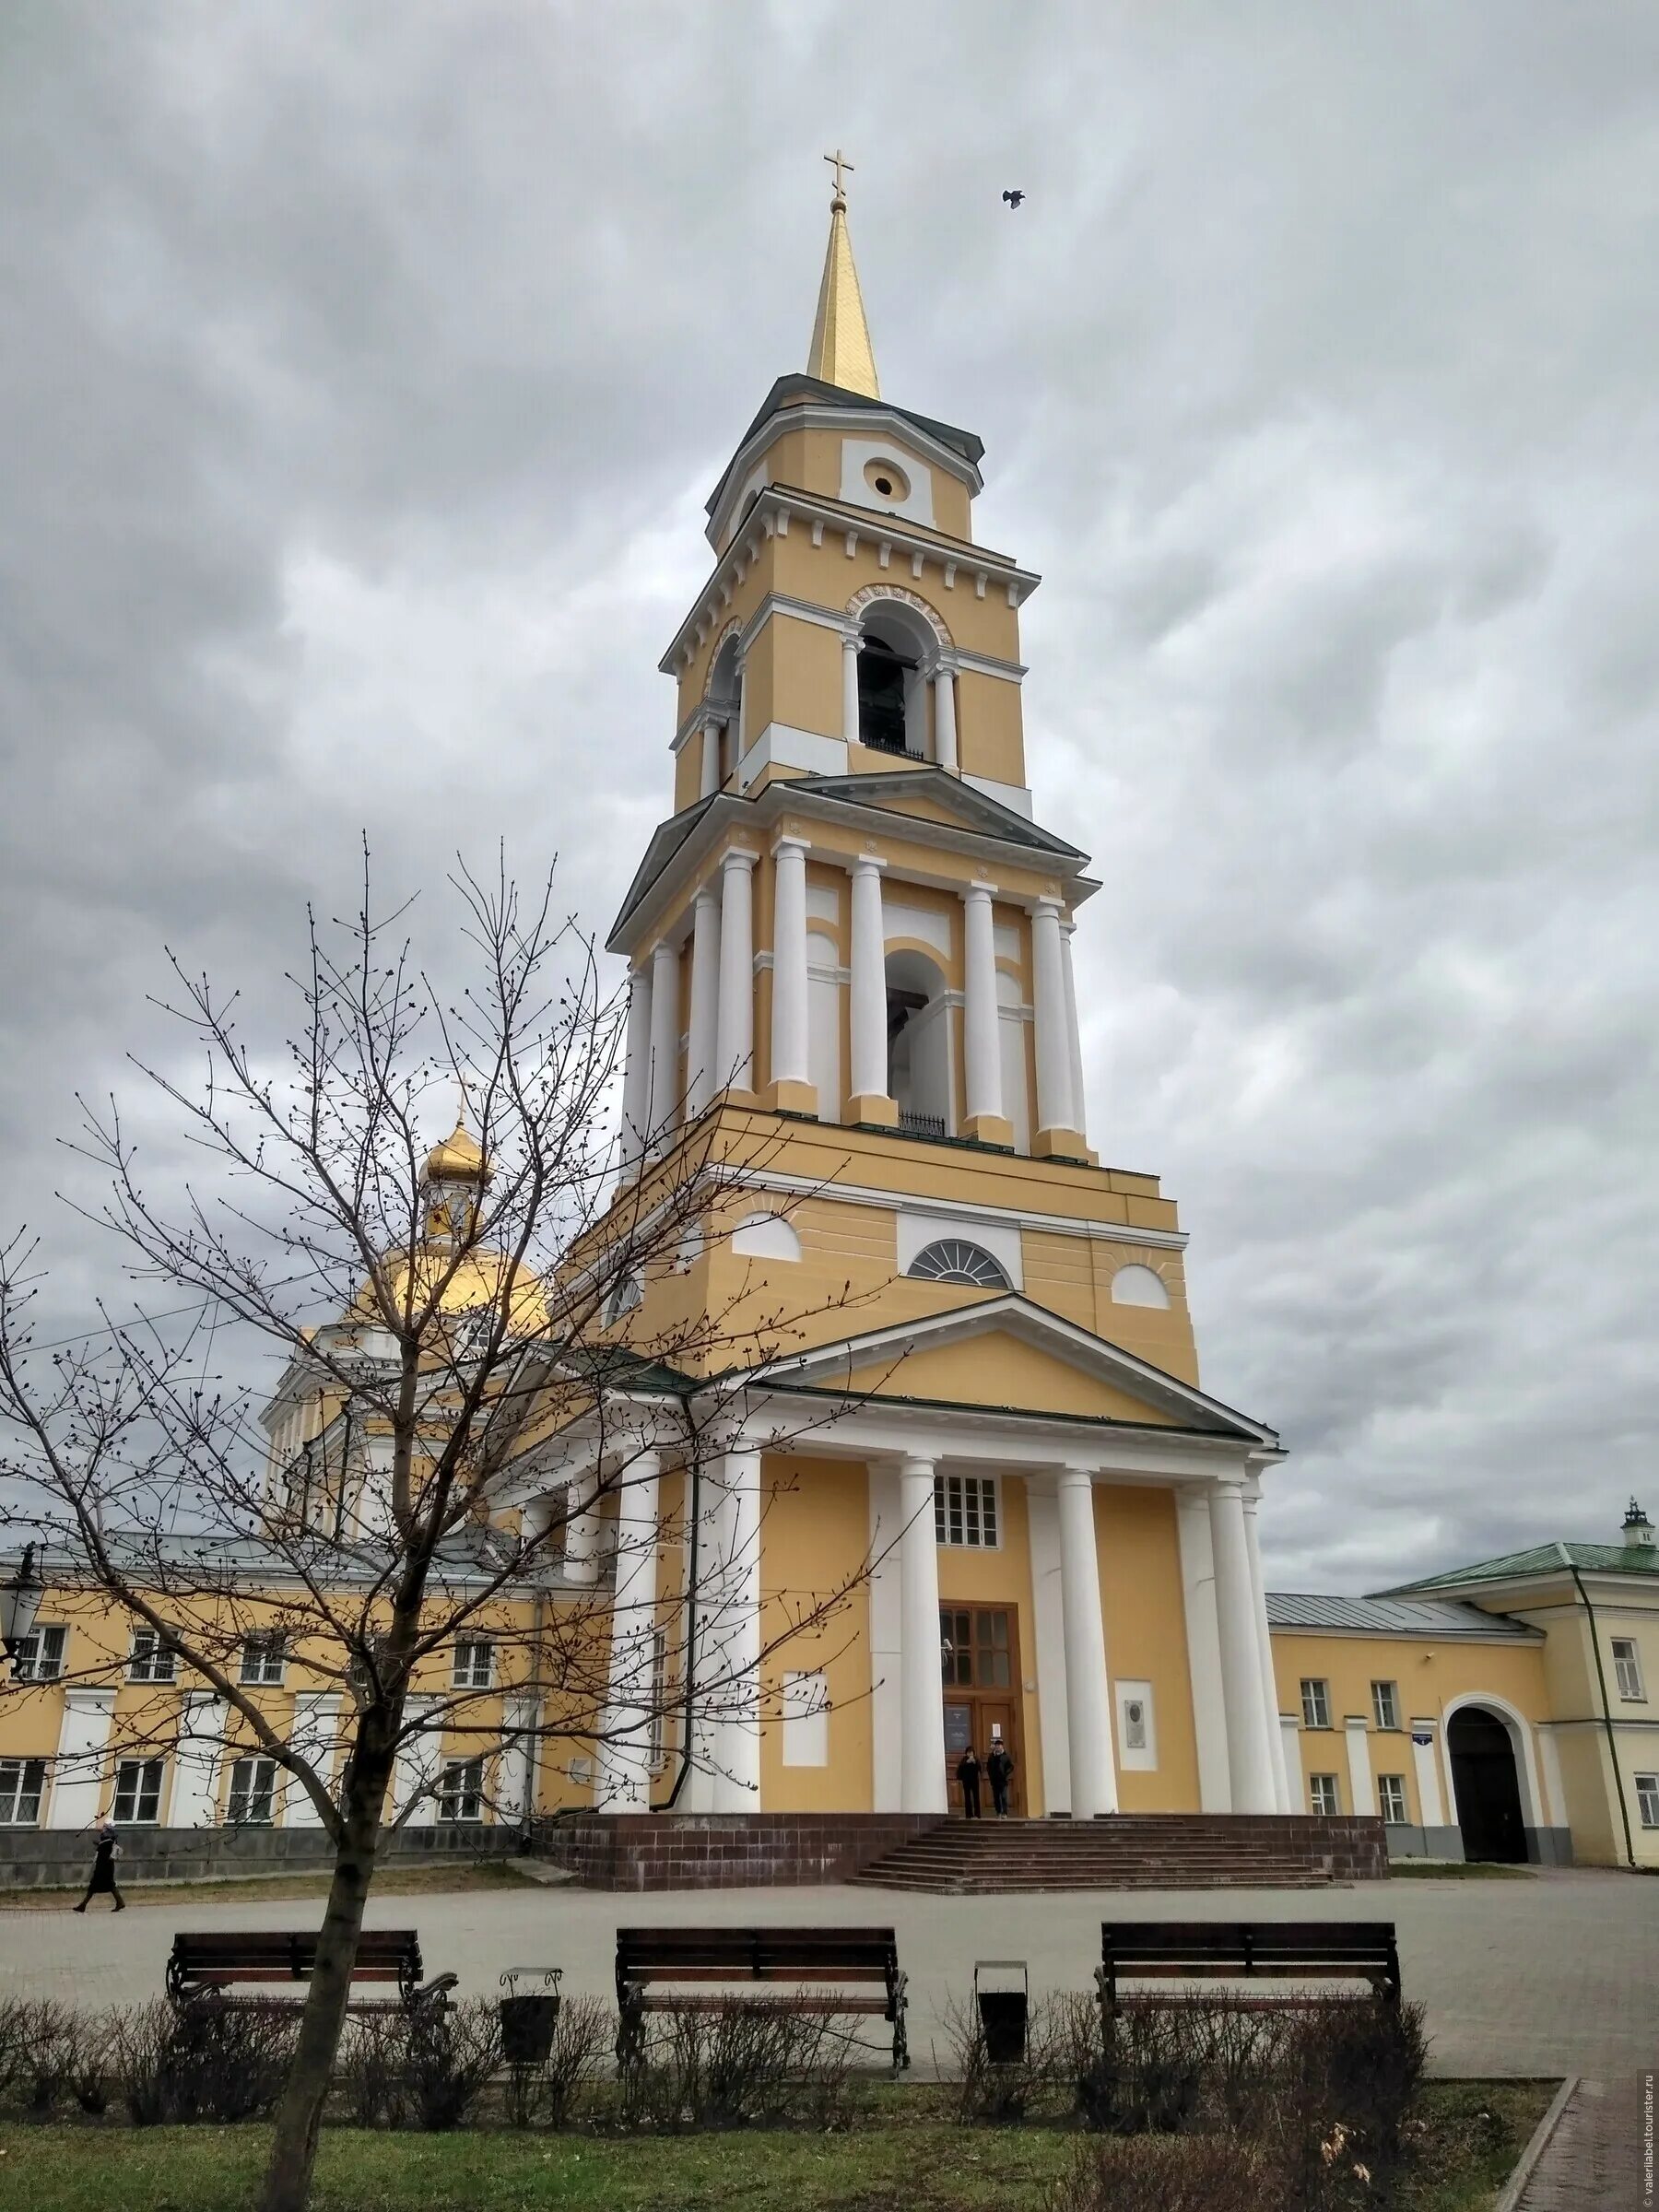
1556	1975
1598	2158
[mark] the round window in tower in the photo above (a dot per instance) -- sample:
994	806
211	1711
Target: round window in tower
887	479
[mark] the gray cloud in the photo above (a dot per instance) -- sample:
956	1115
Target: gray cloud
365	373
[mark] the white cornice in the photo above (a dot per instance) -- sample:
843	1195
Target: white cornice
1060	1225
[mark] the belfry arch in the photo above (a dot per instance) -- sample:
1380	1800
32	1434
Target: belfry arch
899	648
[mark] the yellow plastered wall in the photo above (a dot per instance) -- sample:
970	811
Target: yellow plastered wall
1139	1552
815	1539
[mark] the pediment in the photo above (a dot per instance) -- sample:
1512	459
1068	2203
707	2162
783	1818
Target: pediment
927	793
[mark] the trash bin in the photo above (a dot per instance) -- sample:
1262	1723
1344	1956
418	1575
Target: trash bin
528	2021
1004	2008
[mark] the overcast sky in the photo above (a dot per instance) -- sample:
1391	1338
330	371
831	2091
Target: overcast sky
364	372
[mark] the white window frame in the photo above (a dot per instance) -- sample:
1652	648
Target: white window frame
259	1655
461	1784
1315	1702
150	1783
463	1671
1391	1800
1323	1786
42	1655
1647	1799
21	1782
150	1660
253	1786
968	1502
1627	1666
805	1710
1385	1705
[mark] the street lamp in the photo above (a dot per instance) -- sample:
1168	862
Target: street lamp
20	1602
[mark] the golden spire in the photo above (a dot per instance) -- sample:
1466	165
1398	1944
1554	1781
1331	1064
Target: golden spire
840	338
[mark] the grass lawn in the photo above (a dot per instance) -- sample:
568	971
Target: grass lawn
1457	1870
909	2160
389	1881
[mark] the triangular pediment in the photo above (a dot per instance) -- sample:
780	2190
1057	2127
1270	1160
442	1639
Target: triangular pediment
927	793
1007	1355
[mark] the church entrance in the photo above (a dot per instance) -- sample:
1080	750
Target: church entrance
979	1664
1486	1786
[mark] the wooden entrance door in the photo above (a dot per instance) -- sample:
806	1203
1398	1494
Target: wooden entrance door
979	1665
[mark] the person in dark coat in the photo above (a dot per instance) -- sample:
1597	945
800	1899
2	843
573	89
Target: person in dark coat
967	1775
103	1870
999	1770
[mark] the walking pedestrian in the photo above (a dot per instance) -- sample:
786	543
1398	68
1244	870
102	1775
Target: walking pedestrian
967	1775
999	1770
103	1882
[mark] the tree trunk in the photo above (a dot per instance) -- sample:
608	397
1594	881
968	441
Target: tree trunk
299	2116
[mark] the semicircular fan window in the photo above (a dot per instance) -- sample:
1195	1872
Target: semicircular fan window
952	1261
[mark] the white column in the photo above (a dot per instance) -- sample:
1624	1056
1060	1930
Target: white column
1068	930
886	1712
625	1755
415	1768
1431	1807
737	1750
1088	1697
1249	1752
663	1107
850	688
636	1081
582	1531
735	1029
869	983
916	715
982	1036
1281	1778
741	675
1204	1648
1362	1795
944	726
702	1077
194	1801
790	1059
702	1785
78	1771
713	733
1043	1531
515	1778
1289	1733
1054	1046
316	1736
921	1688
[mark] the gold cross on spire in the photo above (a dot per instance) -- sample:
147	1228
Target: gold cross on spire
838	161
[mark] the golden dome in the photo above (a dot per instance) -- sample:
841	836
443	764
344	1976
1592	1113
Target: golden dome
459	1159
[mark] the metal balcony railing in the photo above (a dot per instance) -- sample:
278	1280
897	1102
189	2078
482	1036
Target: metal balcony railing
922	1125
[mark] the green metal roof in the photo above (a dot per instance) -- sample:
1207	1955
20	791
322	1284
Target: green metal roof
1542	1559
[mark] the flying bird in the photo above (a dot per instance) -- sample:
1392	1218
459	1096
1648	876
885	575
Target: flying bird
1014	198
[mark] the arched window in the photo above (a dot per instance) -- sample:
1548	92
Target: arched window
624	1298
725	699
918	1042
898	651
952	1259
1139	1286
766	1237
882	674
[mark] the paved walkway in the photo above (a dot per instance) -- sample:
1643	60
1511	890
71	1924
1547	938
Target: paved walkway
1599	2157
1556	1975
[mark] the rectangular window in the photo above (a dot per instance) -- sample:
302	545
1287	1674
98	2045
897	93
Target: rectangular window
1316	1703
965	1511
252	1792
22	1786
1647	1799
475	1663
461	1793
1324	1793
1390	1798
138	1793
150	1661
262	1659
1627	1663
1385	1704
40	1655
805	1721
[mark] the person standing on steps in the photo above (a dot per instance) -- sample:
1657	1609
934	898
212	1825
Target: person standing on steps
967	1775
102	1883
999	1770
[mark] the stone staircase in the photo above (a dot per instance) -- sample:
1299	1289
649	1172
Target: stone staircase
1132	1851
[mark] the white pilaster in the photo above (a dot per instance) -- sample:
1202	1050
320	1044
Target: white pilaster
703	1078
921	1687
625	1754
734	1031
1088	1695
945	722
1289	1732
1054	1110
741	678
194	1801
983	1036
415	1768
315	1737
636	1081
712	732
1068	930
705	1633
737	1755
78	1771
1204	1648
790	1059
868	963
1431	1807
664	1099
515	1777
1249	1751
1042	1527
849	688
887	1719
1281	1777
1362	1793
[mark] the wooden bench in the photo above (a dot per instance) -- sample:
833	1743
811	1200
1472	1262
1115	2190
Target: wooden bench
1245	1950
828	1970
202	1969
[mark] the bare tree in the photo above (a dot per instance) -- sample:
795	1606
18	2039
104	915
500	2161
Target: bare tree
502	1391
